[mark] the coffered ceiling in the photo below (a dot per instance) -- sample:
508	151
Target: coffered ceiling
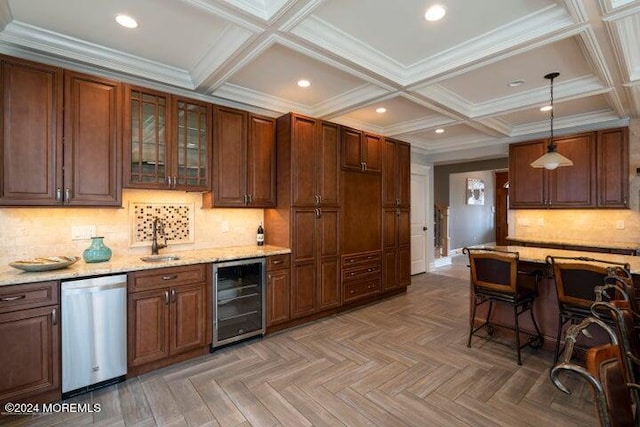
359	55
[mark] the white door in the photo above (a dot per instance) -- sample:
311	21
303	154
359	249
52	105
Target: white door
419	218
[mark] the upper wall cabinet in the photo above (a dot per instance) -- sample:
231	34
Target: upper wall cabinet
613	168
53	158
244	155
168	140
396	174
361	151
598	177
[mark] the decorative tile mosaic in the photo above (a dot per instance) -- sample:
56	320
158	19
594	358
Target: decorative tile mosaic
178	220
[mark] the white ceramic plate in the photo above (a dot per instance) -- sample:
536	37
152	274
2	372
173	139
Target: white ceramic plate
44	263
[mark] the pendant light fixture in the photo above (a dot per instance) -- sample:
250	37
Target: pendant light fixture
551	159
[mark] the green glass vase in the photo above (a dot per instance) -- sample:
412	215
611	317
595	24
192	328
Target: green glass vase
97	251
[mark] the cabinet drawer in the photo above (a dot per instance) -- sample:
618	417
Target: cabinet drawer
278	262
166	277
353	291
368	257
361	271
31	295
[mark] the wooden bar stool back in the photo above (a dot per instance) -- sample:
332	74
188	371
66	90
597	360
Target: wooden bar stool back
495	278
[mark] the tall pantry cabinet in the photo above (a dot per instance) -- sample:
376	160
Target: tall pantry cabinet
307	218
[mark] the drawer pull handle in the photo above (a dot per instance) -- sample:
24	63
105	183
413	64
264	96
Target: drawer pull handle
17	297
369	269
166	297
173	295
54	317
276	262
352	292
353	273
171	277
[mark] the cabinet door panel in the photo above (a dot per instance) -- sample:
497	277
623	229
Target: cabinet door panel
92	140
389	173
328	232
192	143
404	266
613	168
404	227
527	185
30	362
303	161
329	280
389	228
148	327
303	289
373	152
574	186
31	155
187	318
390	269
328	176
261	158
304	239
278	288
352	157
147	120
403	157
229	153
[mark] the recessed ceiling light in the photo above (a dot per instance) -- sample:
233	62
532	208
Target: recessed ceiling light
304	83
435	13
381	110
546	108
516	83
126	21
440	130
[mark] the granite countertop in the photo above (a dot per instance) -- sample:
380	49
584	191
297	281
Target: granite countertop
576	242
539	255
123	264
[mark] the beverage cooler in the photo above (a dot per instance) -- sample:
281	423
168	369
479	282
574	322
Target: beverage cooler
238	300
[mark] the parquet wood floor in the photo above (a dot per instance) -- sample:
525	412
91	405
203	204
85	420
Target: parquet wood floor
399	362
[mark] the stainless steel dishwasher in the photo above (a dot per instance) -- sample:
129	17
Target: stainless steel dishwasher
94	333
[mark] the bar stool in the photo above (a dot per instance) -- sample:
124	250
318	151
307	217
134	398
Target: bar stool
575	279
495	278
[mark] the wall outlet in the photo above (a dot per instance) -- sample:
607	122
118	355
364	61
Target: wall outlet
82	232
620	224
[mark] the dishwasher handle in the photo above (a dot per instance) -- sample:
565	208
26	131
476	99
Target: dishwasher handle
91	289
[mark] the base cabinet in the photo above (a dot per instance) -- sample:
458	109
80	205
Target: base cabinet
30	331
278	289
167	315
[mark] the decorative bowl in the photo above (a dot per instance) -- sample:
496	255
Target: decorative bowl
44	263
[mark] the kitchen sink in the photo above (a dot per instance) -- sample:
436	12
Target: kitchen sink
159	258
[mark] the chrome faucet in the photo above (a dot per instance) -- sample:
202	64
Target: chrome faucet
158	226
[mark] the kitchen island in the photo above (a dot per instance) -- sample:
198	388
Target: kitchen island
546	304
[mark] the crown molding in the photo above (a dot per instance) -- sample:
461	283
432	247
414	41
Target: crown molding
594	56
571	124
300	15
219	12
251	97
418	125
443	96
634	95
348	101
622	32
54	44
617	13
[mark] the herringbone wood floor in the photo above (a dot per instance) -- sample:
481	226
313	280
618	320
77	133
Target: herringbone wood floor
399	362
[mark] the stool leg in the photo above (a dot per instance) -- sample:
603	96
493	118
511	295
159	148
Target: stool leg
517	330
472	320
535	325
558	336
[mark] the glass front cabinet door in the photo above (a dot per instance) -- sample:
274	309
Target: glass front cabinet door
169	141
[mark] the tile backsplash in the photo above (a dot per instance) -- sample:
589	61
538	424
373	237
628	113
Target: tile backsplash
32	232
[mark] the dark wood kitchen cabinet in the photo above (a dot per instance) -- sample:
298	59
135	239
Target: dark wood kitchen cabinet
64	156
396	243
361	151
167	141
278	289
30	331
168	318
613	168
307	218
244	152
599	177
564	187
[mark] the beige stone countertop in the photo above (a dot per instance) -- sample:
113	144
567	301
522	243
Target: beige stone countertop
123	264
585	243
539	255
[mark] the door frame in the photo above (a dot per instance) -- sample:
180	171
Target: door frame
427	172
